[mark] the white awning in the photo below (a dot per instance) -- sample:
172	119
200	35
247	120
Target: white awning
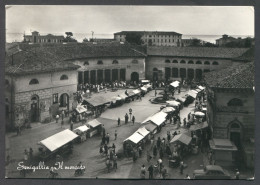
136	91
145	81
81	109
142	131
173	103
158	118
182	138
192	93
198	90
200	87
58	140
94	123
82	128
135	138
144	89
175	84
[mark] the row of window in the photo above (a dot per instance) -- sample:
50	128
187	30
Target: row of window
153	40
100	62
191	62
36	81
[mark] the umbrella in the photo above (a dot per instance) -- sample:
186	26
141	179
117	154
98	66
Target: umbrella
199	114
168	109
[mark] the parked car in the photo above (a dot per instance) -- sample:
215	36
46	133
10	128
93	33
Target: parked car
211	172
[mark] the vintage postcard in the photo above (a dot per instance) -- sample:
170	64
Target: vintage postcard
129	92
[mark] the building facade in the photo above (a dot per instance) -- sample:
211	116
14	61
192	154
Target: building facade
224	40
37	38
176	63
231	108
153	38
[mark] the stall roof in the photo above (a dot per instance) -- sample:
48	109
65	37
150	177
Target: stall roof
131	93
58	140
151	127
98	100
123	96
144	89
158	118
199	126
201	87
82	128
135	138
192	93
175	84
136	91
94	123
182	99
182	138
81	109
142	131
173	103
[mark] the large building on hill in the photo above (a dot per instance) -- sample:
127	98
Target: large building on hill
37	38
153	38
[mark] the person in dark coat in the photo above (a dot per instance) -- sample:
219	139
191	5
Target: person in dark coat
118	122
133	120
154	151
126	118
150	170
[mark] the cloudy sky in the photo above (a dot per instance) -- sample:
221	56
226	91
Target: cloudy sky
105	20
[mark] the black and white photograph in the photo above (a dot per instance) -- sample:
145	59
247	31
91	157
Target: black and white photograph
129	92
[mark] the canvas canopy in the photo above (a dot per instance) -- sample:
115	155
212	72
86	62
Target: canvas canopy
142	131
136	91
158	118
198	90
173	103
183	138
81	109
115	98
192	93
201	87
175	84
198	126
144	89
82	128
135	138
123	96
94	123
145	81
98	100
150	126
58	140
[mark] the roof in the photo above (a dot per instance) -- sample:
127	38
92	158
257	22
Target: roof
58	140
151	127
58	57
142	131
182	138
94	123
81	109
249	55
173	103
82	128
96	101
237	77
149	32
199	52
198	126
192	93
158	118
135	138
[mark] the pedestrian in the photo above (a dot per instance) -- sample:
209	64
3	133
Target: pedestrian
57	118
179	90
71	126
184	122
164	173
118	122
148	156
189	116
114	147
143	172
106	149
115	162
181	167
107	138
133	119
62	114
155	93
161	153
115	134
126	118
154	151
237	174
101	149
168	137
150	170
140	151
31	154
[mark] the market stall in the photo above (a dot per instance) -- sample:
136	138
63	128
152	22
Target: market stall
59	143
152	128
95	127
82	132
135	138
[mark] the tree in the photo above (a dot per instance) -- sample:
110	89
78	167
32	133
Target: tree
195	42
69	37
209	44
85	40
134	38
248	42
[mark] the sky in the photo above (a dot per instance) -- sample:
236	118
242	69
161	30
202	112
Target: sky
207	22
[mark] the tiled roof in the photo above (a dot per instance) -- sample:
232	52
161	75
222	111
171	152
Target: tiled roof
42	58
203	52
149	32
249	55
238	76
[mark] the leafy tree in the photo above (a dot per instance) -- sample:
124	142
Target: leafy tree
134	38
248	42
209	44
195	42
69	37
85	40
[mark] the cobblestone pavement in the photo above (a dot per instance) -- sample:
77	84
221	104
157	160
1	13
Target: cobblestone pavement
88	151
